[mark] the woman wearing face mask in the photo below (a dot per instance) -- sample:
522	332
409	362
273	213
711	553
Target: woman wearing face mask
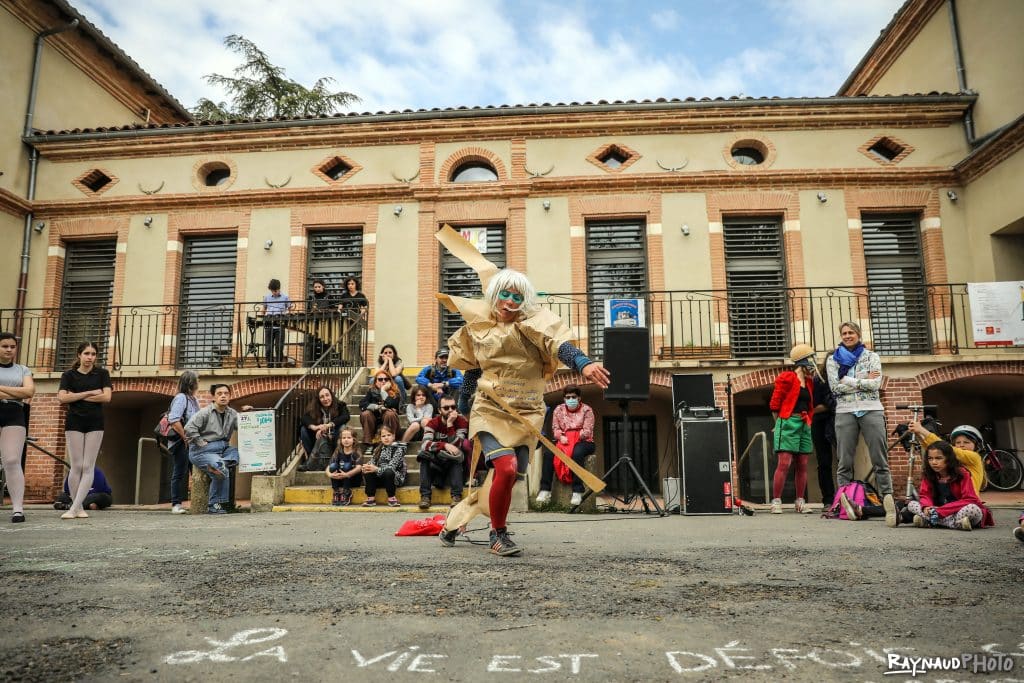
572	425
792	404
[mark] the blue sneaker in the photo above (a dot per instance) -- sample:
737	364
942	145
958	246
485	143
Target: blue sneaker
215	509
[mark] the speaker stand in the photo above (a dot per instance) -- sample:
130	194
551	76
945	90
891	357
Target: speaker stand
646	497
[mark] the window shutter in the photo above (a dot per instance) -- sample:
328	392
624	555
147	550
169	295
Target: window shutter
756	279
86	299
616	268
458	279
896	288
334	256
207	301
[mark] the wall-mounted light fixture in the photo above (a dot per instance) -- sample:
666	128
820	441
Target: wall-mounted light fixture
822	197
952	195
685	229
39	227
148	222
268	244
398	210
546	204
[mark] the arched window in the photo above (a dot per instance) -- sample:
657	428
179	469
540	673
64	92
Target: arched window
474	172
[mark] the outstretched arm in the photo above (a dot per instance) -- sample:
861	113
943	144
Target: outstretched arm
577	360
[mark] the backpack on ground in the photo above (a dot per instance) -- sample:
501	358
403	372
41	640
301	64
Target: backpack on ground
857	492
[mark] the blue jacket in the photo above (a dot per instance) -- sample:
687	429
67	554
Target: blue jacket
99	483
431	375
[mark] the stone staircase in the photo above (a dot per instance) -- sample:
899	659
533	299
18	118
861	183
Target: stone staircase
311	491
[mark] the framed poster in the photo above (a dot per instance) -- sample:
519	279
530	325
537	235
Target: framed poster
624	313
997	313
256	445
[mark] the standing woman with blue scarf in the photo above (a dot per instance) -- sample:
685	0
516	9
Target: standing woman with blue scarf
855	378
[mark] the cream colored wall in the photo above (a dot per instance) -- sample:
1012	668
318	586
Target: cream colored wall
11	228
547	245
264	264
500	148
255	171
396	309
66	98
706	151
956	238
990	35
687	258
927	64
38	255
824	237
145	261
991	203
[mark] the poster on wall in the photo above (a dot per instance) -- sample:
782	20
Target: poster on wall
624	313
256	448
997	313
475	236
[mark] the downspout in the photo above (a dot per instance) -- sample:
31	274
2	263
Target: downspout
33	165
961	72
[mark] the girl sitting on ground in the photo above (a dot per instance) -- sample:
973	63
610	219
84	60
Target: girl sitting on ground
419	410
947	493
386	467
344	470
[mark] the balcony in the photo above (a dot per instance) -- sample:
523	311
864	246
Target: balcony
173	337
735	325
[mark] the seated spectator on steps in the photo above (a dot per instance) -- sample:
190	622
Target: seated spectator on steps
966	441
386	468
440	379
209	434
379	406
419	410
572	425
444	452
323	419
389	362
99	497
947	496
344	470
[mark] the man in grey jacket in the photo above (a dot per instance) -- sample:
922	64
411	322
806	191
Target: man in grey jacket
209	437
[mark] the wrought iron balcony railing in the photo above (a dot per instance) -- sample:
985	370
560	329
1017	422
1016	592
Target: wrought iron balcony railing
737	324
174	337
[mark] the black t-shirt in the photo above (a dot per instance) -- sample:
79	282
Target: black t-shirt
76	382
803	401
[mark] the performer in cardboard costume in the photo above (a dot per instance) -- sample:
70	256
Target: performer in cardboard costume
508	349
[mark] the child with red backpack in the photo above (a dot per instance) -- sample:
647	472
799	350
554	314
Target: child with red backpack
947	494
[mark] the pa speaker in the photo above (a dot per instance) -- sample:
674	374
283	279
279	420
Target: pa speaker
627	355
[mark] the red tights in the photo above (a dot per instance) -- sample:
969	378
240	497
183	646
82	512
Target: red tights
800	476
501	488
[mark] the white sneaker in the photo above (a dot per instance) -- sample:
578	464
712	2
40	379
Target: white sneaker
544	497
776	506
576	499
177	509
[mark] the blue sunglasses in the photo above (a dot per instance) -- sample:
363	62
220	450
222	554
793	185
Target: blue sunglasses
505	295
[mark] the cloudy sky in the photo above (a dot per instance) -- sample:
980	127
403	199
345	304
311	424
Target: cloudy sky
411	54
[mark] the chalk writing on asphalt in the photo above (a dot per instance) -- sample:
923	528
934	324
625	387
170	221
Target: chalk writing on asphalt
237	644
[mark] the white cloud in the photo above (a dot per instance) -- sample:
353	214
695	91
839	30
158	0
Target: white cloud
447	53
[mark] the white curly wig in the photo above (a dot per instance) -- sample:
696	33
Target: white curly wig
512	280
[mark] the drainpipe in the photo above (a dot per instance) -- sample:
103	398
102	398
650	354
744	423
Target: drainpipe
961	72
33	165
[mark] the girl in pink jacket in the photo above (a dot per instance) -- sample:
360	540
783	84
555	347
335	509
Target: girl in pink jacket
947	495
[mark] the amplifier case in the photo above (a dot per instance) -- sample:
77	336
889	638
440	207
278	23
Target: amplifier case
705	467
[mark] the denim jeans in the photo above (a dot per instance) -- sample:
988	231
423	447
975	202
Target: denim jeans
179	473
216	454
448	476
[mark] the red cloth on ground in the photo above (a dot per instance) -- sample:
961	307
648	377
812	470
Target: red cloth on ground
429	526
501	488
562	470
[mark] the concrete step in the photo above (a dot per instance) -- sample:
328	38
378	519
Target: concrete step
320	496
